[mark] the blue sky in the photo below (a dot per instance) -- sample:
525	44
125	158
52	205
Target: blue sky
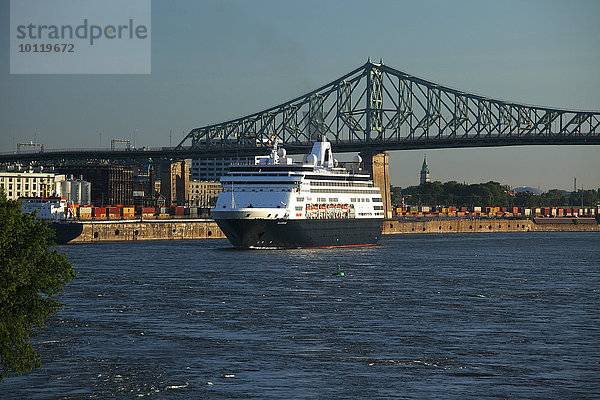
217	60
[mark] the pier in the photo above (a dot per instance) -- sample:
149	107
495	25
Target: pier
196	229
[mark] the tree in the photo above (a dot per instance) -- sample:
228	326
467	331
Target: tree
527	199
31	275
555	198
585	198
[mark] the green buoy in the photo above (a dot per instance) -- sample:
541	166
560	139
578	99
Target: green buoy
338	273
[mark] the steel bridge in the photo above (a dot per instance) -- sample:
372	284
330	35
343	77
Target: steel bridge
373	108
377	108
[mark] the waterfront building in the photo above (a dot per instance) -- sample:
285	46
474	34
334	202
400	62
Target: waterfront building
424	178
144	192
204	194
175	182
211	169
109	184
29	184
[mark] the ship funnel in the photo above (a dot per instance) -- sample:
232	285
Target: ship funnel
322	151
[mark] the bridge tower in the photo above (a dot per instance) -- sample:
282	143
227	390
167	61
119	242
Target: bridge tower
378	165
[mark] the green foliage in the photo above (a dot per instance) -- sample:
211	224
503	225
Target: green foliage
587	197
489	194
557	198
456	194
31	275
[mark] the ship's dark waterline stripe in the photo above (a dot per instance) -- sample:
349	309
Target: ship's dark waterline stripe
344	245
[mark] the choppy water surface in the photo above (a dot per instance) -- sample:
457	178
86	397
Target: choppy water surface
423	316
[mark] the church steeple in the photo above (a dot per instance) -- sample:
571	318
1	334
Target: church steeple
424	172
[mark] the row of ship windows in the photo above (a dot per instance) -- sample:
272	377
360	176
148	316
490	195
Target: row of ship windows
376	208
350	191
335	200
361	199
260	190
341	184
226	163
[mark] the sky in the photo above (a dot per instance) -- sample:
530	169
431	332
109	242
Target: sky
218	60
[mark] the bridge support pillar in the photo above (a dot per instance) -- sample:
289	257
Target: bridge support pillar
378	166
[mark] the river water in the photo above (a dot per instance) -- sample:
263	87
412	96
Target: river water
510	315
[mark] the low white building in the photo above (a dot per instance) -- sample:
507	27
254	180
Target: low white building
29	184
45	184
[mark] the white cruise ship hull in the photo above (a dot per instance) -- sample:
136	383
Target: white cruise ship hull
301	233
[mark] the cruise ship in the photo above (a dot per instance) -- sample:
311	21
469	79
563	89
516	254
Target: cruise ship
313	204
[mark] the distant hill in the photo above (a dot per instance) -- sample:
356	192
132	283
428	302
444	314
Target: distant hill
529	189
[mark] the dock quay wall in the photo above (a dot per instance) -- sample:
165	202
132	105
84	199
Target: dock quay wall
485	225
128	230
181	229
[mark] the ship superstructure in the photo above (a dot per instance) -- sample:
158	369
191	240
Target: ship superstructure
281	204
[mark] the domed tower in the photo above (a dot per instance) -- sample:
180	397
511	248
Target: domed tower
424	172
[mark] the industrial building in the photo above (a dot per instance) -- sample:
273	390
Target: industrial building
109	184
74	191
